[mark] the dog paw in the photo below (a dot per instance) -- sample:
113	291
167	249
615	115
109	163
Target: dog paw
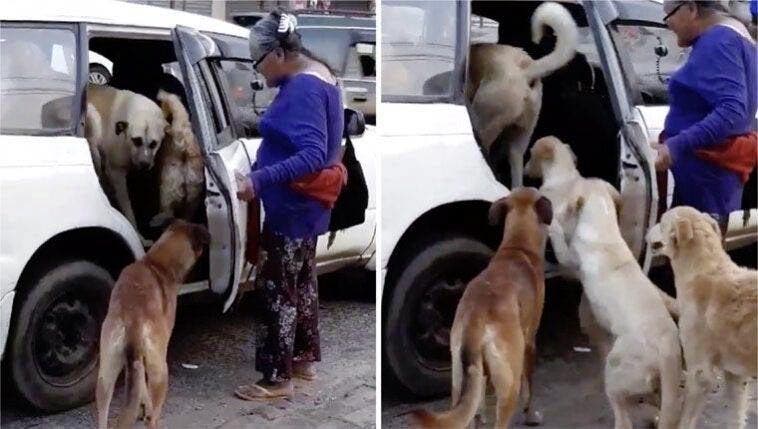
533	418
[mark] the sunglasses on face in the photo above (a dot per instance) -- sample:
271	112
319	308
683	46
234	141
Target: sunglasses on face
673	11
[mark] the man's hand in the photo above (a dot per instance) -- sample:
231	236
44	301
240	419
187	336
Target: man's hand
663	161
245	191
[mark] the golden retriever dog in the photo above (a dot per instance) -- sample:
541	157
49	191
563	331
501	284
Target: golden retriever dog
496	321
132	129
180	162
504	87
137	328
627	319
718	319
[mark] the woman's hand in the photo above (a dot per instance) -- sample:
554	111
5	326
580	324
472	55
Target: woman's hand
663	161
245	190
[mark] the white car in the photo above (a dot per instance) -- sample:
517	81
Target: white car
63	243
437	186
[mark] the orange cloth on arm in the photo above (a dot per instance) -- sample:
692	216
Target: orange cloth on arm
323	186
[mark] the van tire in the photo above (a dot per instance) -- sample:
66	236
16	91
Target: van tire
98	75
455	255
54	342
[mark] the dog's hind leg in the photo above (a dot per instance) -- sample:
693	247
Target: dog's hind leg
112	360
532	416
157	375
736	400
670	375
505	374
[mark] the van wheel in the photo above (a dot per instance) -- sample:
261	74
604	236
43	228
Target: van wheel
422	308
54	342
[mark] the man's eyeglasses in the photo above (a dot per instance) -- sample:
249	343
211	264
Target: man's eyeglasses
673	11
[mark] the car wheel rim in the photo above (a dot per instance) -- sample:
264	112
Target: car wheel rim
66	339
430	330
97	78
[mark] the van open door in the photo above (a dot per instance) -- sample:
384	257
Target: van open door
222	154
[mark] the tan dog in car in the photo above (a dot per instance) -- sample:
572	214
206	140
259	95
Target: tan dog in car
137	328
622	311
504	87
180	162
496	321
718	318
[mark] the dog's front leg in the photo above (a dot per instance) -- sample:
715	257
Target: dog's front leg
562	251
736	400
120	188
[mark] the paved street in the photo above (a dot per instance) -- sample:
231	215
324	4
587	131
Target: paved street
222	347
568	383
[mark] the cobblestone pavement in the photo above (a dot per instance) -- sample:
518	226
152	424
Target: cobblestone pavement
222	347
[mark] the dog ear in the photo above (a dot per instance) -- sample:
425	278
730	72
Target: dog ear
544	209
498	211
682	232
121	126
544	150
200	237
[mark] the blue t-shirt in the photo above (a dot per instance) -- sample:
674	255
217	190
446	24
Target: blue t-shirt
302	133
711	98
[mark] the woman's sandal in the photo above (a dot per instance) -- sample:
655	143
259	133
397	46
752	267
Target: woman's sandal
254	392
307	373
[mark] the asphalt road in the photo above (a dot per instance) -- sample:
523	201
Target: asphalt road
222	347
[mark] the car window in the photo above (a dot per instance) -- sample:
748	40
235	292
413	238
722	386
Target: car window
361	61
37	80
483	30
653	57
330	45
236	79
418	48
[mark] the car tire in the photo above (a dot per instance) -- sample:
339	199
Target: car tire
99	75
55	336
422	307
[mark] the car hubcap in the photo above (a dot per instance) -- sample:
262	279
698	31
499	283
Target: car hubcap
97	78
434	319
66	339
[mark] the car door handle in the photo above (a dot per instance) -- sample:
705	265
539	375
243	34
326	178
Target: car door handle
213	193
360	98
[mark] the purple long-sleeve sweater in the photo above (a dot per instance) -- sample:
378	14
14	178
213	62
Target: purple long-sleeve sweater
712	97
302	133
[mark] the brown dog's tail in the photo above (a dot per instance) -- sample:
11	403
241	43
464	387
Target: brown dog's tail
559	19
136	386
463	412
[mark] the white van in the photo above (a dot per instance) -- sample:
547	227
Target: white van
608	103
63	243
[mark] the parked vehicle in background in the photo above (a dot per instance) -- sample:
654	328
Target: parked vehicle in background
100	69
347	42
608	103
63	243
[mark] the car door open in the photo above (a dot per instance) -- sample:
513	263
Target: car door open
223	156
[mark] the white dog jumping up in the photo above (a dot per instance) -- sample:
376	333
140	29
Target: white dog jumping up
634	331
131	131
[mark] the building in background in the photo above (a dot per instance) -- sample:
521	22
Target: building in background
225	9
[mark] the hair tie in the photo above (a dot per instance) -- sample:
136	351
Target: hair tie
287	23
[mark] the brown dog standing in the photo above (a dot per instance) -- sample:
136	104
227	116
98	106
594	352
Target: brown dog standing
139	322
497	318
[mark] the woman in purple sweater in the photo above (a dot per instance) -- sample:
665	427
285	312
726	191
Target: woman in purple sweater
302	134
712	100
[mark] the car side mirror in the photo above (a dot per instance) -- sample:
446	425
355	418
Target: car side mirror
355	123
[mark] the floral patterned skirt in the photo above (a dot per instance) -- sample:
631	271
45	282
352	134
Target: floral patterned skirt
287	284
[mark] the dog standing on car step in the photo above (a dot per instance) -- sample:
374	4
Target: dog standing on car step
718	303
137	328
504	88
625	315
493	334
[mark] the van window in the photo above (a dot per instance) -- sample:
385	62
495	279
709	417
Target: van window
245	105
418	48
653	57
484	30
37	80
